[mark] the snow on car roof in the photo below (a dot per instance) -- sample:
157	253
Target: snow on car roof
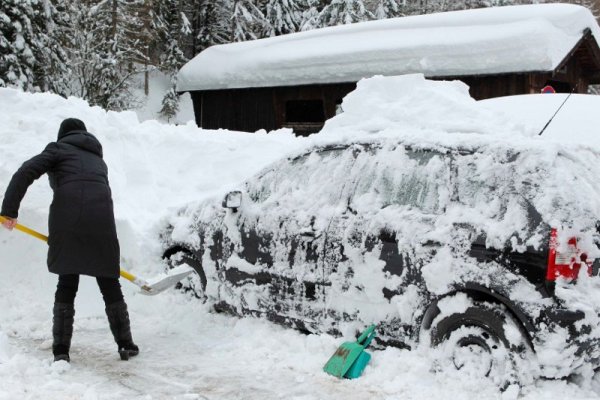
576	122
472	42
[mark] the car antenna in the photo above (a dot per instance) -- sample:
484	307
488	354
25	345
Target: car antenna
551	118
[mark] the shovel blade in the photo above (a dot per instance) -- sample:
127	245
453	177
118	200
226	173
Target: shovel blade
359	366
341	361
167	280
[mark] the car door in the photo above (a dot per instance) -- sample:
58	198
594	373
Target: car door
388	235
278	235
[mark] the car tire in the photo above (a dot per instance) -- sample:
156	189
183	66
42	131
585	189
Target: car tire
482	341
195	283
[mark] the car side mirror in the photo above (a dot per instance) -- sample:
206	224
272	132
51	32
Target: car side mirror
233	200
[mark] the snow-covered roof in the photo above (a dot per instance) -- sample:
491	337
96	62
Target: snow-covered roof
472	42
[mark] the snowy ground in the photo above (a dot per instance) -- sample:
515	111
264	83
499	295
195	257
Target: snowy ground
187	352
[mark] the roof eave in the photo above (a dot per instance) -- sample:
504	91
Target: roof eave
587	42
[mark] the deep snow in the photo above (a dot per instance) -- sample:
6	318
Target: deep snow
188	352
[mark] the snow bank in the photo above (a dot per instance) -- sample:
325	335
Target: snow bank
481	41
152	166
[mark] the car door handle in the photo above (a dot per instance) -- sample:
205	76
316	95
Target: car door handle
309	234
431	243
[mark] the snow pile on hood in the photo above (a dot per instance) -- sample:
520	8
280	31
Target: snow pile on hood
388	106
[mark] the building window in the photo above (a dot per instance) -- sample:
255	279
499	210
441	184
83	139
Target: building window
304	111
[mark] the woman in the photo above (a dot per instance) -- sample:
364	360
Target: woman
83	237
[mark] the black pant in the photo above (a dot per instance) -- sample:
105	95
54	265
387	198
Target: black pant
68	284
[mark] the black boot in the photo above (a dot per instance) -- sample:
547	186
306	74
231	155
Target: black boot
62	330
118	319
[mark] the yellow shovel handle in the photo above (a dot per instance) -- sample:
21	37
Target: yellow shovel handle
26	230
127	275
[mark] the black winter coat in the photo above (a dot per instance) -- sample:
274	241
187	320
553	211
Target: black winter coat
82	234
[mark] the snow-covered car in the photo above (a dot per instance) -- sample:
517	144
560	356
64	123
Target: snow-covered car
473	248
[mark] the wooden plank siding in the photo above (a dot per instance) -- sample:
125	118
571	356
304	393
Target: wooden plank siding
264	108
235	109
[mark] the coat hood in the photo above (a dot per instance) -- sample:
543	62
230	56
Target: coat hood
84	140
70	125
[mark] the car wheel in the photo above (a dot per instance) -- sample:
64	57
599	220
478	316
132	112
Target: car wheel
195	283
479	342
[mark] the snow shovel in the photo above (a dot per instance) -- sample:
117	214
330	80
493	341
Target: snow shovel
350	359
150	288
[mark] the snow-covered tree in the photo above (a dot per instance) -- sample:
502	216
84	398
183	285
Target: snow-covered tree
283	16
51	70
310	15
247	21
17	43
210	24
340	12
104	51
170	104
172	26
387	9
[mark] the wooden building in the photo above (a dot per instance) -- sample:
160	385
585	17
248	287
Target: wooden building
299	80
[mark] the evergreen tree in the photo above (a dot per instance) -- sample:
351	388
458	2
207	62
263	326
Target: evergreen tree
17	43
52	67
340	12
172	26
170	104
310	16
283	16
247	21
387	9
210	25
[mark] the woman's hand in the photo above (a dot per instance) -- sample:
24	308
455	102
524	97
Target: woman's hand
9	223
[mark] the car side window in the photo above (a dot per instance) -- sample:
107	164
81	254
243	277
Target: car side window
480	184
398	176
316	177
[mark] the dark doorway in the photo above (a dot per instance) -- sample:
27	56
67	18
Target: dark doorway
304	116
304	111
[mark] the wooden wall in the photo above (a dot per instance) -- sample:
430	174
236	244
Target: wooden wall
235	109
265	108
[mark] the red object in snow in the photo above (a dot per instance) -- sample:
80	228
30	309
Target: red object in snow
567	262
548	89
